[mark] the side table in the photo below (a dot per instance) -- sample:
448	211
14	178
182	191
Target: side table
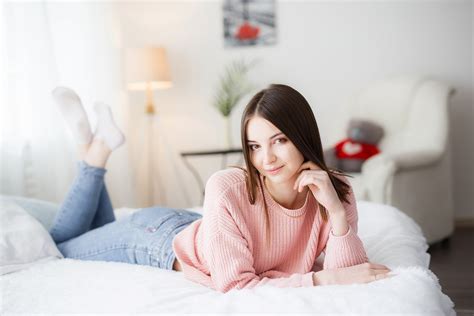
224	153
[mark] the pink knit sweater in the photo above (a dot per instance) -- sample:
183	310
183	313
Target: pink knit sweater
226	248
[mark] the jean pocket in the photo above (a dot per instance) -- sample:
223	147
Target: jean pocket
151	219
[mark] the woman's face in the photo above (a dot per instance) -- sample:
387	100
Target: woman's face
271	152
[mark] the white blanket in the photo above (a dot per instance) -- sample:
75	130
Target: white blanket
390	237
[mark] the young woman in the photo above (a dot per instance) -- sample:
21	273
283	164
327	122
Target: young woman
265	224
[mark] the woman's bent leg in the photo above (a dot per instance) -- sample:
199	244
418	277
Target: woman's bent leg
105	211
79	208
144	238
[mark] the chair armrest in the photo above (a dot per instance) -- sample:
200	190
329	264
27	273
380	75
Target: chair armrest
415	159
378	171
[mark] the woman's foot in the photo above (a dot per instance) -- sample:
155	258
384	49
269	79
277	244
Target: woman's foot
107	137
107	130
73	112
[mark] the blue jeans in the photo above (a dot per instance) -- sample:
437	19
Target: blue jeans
85	227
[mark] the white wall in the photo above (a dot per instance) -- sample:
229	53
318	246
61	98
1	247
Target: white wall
327	50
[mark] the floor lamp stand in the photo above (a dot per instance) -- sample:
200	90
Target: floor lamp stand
150	111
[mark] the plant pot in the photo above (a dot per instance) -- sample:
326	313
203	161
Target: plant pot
228	132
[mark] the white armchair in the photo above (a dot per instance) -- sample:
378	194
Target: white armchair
413	170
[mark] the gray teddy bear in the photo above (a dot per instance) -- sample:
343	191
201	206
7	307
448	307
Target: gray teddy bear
349	154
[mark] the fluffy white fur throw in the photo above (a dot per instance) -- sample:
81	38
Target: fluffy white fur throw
391	238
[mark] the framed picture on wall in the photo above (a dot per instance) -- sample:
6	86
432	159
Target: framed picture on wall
249	22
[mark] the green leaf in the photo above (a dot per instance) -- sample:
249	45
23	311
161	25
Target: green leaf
233	85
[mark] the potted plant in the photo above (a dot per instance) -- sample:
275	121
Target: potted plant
233	85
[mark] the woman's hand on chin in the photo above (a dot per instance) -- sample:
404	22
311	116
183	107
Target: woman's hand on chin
361	273
320	185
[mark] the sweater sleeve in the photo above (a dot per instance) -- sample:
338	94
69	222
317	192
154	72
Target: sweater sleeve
231	266
347	250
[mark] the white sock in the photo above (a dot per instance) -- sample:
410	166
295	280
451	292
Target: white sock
107	130
73	112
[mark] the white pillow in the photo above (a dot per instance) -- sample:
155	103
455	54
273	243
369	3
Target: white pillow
23	240
43	211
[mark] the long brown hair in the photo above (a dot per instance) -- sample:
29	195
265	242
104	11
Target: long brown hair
289	111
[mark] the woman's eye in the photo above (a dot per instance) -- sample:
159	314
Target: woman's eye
253	147
280	140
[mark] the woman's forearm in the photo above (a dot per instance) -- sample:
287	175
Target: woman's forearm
339	223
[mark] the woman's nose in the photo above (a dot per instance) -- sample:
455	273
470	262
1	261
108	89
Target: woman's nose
269	157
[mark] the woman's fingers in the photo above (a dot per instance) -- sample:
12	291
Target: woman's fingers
383	276
378	275
378	266
304	166
308	165
300	178
314	175
381	271
298	182
308	180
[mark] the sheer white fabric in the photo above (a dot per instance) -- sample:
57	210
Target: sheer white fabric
46	45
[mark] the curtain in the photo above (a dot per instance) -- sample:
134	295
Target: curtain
46	44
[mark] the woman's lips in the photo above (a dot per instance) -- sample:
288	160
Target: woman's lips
274	171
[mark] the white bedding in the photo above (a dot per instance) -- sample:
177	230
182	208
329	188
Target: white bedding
390	237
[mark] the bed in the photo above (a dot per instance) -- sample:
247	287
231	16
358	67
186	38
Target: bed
53	285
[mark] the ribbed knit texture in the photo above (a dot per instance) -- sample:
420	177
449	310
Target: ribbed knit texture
226	249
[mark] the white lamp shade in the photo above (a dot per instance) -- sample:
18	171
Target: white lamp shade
147	67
